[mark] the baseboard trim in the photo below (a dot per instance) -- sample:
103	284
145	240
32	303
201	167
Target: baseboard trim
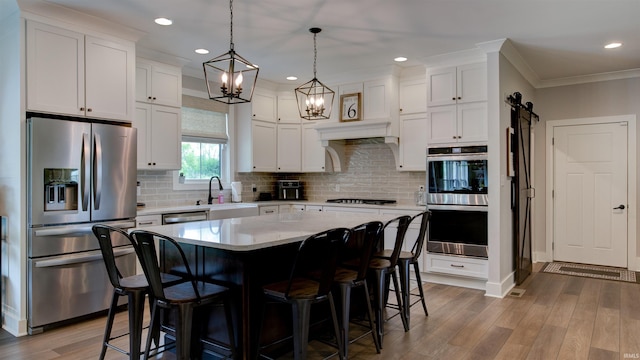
501	289
479	284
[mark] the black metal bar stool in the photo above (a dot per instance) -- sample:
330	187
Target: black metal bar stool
133	287
407	259
310	282
182	298
382	270
352	273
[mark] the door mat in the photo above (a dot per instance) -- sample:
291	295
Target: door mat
591	271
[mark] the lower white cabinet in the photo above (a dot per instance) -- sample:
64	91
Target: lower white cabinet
269	209
349	210
148	220
457	265
317	208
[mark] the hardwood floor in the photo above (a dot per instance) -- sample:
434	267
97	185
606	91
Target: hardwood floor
557	317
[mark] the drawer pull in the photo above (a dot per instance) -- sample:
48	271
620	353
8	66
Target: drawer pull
146	223
457	266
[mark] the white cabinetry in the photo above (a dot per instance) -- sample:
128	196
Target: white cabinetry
148	220
456	265
412	96
288	109
457	106
413	142
75	74
381	99
159	129
454	85
316	208
158	83
263	106
354	210
313	153
465	123
289	148
269	209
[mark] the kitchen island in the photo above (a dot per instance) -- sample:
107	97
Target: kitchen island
246	253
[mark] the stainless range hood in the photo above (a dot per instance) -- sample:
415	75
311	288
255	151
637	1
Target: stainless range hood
332	136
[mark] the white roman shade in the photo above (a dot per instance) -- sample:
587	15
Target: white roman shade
203	120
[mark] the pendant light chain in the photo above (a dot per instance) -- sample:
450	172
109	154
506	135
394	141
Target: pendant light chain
315	55
231	23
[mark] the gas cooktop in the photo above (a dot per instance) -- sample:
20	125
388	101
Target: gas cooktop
362	201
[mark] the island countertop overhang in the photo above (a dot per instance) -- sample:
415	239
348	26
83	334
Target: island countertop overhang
259	232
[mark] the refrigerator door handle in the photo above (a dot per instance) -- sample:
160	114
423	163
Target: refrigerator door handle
84	172
71	230
69	260
97	171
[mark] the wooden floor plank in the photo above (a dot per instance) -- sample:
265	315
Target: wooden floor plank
558	317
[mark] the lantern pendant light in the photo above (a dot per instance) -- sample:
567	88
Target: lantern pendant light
315	100
231	74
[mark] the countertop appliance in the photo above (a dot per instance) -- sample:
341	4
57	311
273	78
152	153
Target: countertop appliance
457	196
289	190
79	173
362	201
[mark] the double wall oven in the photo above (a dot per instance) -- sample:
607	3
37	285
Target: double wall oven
457	195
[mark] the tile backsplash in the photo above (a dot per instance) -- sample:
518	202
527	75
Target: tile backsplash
370	173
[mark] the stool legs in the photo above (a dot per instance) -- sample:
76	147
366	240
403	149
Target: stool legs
110	318
424	304
380	295
136	313
405	287
301	318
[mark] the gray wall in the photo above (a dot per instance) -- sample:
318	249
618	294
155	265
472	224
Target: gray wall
607	98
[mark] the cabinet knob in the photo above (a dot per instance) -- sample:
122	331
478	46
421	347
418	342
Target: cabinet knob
154	164
148	163
453	98
154	98
89	109
81	109
400	110
459	97
149	97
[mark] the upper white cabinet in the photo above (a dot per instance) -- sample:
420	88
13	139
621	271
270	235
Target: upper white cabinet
159	128
465	123
381	99
413	96
413	142
457	84
313	153
288	109
76	74
263	105
256	147
289	156
158	83
457	104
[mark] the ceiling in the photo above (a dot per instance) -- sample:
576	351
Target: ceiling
556	38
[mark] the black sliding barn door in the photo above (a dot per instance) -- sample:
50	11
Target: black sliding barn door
522	191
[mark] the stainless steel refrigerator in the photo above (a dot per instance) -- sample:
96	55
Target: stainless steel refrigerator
80	173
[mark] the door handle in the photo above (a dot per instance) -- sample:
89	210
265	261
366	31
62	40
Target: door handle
619	207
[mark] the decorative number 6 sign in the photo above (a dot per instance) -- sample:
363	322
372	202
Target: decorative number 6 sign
350	107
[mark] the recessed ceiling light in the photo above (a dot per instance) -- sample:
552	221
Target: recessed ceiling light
400	59
202	51
613	45
291	78
163	21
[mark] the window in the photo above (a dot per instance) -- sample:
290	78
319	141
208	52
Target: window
204	149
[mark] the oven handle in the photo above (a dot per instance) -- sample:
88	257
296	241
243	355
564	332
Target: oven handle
65	260
468	157
79	230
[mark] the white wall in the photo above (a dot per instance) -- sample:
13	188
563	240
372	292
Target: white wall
606	98
12	169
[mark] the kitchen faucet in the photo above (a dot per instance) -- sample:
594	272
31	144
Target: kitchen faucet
210	200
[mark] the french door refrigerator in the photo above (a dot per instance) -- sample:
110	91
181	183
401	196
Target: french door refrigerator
79	173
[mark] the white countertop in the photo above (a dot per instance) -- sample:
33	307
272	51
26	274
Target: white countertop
257	232
188	208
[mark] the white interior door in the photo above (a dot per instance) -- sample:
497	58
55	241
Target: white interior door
590	194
